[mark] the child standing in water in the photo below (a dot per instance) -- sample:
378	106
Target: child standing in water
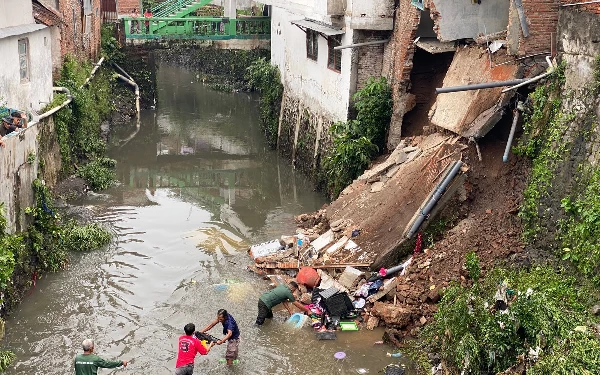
231	332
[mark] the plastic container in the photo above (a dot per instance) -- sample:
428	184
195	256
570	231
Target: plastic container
348	326
298	320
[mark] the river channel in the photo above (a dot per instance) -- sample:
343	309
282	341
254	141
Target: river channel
197	186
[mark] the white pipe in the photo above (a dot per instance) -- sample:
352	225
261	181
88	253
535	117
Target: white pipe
587	2
551	70
69	96
97	65
137	91
362	44
137	105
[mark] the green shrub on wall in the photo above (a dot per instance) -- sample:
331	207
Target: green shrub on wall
265	77
356	142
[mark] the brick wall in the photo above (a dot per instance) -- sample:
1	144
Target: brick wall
542	19
129	7
370	58
398	63
76	36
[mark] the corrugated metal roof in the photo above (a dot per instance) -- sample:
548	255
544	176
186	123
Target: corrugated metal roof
322	29
6	32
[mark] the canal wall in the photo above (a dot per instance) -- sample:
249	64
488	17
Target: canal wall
33	153
220	66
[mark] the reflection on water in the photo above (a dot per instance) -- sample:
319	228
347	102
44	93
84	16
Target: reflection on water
197	187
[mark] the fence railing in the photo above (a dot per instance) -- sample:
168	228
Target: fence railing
197	28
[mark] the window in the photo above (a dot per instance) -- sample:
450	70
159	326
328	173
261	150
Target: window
334	60
24	59
312	44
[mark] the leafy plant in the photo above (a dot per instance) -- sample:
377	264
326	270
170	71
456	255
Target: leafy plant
472	336
31	158
98	173
6	358
85	237
374	110
357	141
109	45
265	77
472	265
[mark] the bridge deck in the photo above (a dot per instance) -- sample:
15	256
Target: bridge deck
202	28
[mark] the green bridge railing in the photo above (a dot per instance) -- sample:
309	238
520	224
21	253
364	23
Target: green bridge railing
197	28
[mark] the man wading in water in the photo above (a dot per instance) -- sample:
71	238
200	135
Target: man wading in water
88	363
231	332
281	294
189	346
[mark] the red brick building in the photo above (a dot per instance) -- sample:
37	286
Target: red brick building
75	27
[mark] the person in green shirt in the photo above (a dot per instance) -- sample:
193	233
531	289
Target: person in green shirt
88	363
282	293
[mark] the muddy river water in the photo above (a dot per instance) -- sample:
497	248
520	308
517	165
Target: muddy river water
197	186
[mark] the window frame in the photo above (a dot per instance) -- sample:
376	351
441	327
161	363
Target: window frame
334	41
312	39
24	59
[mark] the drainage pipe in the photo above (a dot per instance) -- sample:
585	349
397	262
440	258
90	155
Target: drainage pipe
551	69
96	67
511	135
56	109
585	2
122	71
362	44
136	88
439	191
477	86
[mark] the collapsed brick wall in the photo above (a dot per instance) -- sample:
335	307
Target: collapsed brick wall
398	64
370	58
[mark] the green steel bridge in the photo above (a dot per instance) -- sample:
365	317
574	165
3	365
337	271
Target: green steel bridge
173	20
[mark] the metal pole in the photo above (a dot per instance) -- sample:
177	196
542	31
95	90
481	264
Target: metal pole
362	44
477	86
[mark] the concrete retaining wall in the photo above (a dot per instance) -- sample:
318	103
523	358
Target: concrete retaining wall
20	165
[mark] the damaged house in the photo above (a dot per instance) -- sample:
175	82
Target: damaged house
325	52
440	43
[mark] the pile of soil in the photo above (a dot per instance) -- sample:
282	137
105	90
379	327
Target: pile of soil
489	226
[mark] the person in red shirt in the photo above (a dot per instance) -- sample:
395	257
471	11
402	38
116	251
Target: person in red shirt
187	349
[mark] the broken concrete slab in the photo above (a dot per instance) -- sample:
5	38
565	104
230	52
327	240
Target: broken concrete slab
323	240
388	285
457	111
349	277
377	186
433	45
338	245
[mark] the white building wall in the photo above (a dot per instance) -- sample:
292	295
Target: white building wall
15	12
319	88
464	19
37	91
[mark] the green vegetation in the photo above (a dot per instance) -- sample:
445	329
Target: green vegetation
6	358
543	141
596	83
357	141
99	173
472	266
546	309
78	125
265	77
109	45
